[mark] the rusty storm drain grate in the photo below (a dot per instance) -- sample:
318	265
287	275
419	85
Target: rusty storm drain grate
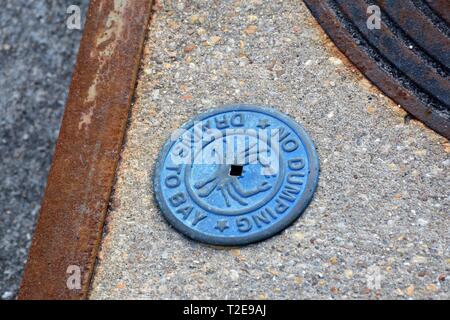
407	55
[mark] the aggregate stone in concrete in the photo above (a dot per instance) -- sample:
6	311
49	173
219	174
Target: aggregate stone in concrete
378	226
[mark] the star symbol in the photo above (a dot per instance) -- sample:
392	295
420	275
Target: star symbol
222	225
263	123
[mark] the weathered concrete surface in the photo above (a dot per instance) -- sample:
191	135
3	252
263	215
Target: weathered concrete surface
381	211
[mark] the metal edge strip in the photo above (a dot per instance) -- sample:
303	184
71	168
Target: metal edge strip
69	230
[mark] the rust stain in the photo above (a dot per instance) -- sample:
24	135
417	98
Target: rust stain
80	181
86	119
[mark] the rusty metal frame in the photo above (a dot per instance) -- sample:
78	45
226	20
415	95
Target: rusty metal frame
79	185
416	79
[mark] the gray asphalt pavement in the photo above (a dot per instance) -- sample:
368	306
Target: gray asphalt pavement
37	55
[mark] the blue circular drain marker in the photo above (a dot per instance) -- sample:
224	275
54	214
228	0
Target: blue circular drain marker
236	175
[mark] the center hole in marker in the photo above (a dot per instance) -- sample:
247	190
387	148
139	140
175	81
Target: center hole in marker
236	170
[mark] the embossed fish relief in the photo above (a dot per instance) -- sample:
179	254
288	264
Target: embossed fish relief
229	185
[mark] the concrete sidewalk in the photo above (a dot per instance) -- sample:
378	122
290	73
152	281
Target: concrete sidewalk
378	226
